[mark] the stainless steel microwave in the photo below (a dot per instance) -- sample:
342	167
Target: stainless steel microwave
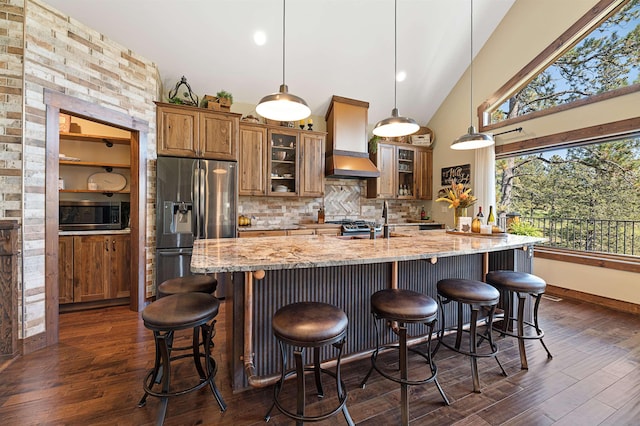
93	215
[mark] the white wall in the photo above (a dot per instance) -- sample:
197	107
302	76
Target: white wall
516	41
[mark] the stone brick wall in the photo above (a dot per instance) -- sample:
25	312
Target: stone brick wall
343	199
64	55
11	58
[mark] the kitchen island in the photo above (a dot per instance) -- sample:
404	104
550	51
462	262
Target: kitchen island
271	272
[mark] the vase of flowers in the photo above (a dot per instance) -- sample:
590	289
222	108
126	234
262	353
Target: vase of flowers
459	199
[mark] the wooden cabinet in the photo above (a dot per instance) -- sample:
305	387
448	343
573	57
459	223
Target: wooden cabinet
424	174
279	161
120	265
266	233
385	185
185	131
65	269
282	162
312	164
252	165
94	267
405	172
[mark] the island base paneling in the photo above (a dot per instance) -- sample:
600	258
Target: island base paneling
349	288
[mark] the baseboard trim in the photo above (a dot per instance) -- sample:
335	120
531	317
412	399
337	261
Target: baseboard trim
617	305
33	343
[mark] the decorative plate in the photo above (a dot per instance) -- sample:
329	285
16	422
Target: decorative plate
108	181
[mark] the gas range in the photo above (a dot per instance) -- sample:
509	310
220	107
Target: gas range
357	227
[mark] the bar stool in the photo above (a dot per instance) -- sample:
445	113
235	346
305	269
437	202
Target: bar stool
477	295
404	306
519	284
187	284
179	312
309	325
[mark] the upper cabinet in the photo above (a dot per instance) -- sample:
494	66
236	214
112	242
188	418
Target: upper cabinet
280	161
252	166
405	172
185	131
312	164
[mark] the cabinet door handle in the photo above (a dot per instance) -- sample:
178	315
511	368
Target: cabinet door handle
113	245
106	245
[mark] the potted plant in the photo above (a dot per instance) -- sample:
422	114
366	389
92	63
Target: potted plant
224	98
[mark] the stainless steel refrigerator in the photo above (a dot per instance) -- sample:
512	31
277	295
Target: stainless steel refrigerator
195	199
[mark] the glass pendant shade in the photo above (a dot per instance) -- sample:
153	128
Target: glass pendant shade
395	126
283	106
472	140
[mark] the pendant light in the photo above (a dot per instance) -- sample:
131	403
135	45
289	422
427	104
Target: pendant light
283	106
472	139
395	125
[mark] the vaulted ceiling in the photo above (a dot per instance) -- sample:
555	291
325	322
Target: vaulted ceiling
341	47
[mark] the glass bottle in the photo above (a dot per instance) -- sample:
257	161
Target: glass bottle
423	214
480	216
491	219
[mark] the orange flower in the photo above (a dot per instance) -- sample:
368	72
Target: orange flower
457	196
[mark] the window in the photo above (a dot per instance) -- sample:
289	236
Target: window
604	61
584	198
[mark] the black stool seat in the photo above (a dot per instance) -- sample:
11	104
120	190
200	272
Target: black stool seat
177	312
481	298
468	291
404	305
519	284
309	324
516	281
187	284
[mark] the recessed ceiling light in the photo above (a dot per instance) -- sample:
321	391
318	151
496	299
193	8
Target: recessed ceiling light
259	38
401	76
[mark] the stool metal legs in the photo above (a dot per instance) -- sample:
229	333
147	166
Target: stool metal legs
161	371
473	336
507	324
403	353
299	371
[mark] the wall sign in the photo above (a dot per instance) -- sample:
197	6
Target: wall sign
461	174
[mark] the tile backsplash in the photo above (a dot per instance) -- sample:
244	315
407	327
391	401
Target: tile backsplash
344	199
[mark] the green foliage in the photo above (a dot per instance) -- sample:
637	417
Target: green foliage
524	228
608	58
226	95
373	144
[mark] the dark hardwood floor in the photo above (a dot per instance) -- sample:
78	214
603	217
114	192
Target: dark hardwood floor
94	377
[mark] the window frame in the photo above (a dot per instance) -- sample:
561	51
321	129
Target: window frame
572	36
585	136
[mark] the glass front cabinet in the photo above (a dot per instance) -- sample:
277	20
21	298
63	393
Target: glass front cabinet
283	164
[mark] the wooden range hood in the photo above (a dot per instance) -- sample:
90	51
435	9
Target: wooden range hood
347	155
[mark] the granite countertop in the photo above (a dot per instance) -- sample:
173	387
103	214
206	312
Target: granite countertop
96	232
310	251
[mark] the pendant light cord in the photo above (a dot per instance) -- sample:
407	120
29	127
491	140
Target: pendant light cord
471	65
395	53
284	14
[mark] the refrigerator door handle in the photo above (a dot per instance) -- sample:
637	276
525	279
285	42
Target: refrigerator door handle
195	196
202	207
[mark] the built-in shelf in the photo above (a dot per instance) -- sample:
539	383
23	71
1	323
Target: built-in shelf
97	191
95	138
94	164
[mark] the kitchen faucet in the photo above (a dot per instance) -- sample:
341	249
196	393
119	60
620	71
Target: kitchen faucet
385	216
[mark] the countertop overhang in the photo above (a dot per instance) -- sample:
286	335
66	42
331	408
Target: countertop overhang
312	251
